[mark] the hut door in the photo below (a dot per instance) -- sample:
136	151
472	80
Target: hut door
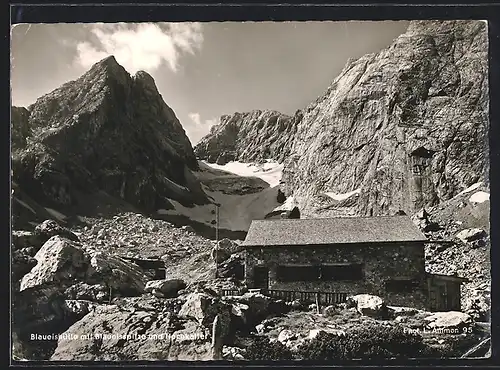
261	277
453	296
437	297
444	296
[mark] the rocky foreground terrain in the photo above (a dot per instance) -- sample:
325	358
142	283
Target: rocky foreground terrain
77	297
78	281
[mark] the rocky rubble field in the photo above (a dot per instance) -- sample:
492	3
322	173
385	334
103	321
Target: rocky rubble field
183	251
459	229
75	298
59	273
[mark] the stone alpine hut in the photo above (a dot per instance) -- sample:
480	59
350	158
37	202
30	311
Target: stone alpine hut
376	255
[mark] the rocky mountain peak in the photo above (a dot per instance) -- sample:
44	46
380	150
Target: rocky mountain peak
109	65
107	70
109	61
109	131
146	81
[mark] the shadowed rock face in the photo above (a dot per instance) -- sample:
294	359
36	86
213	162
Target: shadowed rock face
20	128
106	130
400	129
407	126
251	136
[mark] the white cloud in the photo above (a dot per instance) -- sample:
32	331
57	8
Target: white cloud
142	46
195	117
212	122
200	128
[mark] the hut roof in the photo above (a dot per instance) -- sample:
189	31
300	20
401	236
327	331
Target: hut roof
327	231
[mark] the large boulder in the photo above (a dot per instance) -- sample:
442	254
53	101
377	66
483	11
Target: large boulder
369	305
67	263
59	260
166	288
204	308
470	235
122	276
49	228
111	333
225	249
449	322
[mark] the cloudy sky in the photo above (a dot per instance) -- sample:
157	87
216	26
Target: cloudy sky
202	70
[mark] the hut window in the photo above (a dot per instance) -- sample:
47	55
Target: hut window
401	286
297	273
417	169
422	152
347	272
335	272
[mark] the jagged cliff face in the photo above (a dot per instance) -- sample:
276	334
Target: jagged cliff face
105	131
247	137
401	129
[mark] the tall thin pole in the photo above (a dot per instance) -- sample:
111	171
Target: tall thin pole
217	223
216	239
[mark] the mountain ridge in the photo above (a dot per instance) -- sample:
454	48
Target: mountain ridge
109	131
233	139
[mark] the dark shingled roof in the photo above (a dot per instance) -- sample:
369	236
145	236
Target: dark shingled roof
345	230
